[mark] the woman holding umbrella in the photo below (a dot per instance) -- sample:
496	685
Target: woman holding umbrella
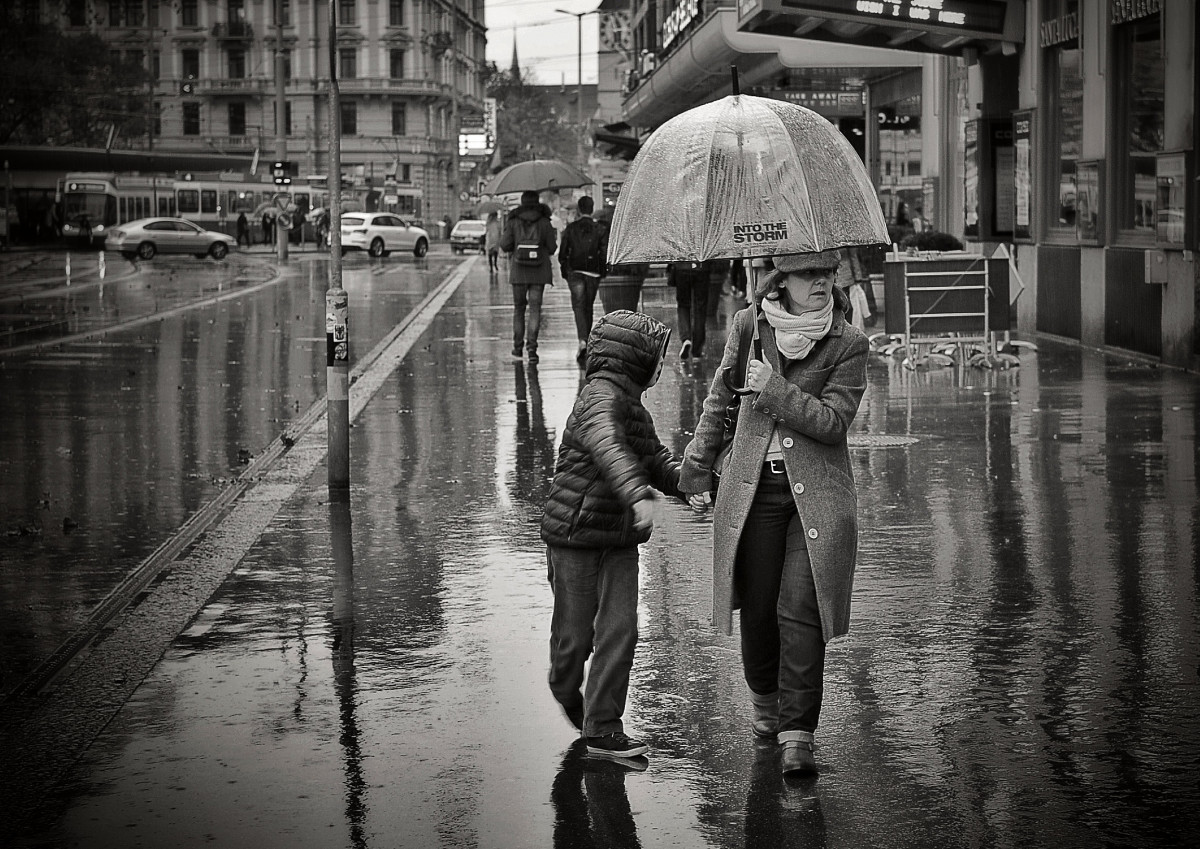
785	524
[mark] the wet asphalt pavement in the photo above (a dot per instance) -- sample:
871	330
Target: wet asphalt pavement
1021	670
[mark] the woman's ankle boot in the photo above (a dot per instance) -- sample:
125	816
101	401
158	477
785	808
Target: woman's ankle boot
766	713
797	757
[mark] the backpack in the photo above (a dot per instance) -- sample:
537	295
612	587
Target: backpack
586	252
528	238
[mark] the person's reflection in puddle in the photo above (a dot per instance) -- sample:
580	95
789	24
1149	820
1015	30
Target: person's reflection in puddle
591	809
781	812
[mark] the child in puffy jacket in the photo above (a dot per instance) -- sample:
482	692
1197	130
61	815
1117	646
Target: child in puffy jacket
600	508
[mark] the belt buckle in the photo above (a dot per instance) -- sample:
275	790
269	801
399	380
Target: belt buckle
776	467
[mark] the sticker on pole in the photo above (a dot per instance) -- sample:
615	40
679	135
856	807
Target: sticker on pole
285	220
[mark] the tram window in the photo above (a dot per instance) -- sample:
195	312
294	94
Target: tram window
123	210
164	207
189	201
208	200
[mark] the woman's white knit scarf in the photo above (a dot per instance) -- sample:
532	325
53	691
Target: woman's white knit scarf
796	334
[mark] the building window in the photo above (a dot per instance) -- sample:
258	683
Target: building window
157	119
349	119
399	119
126	13
237	11
347	13
189	13
237	119
155	65
347	63
287	118
285	12
1139	122
190	62
287	64
237	64
77	13
396	13
397	64
405	174
191	119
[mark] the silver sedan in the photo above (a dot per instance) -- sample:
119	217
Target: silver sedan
146	237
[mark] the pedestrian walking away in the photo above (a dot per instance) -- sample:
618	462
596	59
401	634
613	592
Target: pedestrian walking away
530	239
600	509
267	225
785	527
491	241
690	280
581	260
243	229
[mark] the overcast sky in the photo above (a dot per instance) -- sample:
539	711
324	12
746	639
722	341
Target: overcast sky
546	40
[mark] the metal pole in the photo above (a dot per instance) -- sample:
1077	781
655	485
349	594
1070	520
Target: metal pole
281	236
337	319
579	87
150	82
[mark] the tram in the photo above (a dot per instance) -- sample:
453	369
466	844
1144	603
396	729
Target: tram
94	202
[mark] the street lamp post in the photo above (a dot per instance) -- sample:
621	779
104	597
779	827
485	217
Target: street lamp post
578	77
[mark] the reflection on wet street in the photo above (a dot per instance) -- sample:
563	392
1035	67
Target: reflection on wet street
1021	668
110	443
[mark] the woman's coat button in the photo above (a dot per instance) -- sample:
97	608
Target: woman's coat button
787	442
799	488
812	533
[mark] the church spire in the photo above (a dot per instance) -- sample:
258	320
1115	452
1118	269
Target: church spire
515	69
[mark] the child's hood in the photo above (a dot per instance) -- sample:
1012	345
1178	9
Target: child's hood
628	344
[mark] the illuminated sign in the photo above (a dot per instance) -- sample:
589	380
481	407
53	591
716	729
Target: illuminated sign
1059	30
1123	11
683	15
980	16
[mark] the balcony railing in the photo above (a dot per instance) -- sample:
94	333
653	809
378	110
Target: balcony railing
240	30
383	85
234	143
215	86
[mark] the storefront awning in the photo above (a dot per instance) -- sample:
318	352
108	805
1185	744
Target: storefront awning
698	72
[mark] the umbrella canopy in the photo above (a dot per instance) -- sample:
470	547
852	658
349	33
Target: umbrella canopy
744	177
484	207
538	175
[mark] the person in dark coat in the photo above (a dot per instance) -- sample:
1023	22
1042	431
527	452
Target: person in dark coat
243	229
600	508
530	240
690	280
785	524
582	262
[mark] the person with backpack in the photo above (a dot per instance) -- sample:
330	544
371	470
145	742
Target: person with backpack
530	240
582	262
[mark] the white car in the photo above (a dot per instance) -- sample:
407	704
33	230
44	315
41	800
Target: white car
380	233
468	235
146	237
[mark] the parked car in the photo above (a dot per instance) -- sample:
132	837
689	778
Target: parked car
467	235
146	237
380	233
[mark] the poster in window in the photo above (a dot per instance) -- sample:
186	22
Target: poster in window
971	180
1088	202
1022	175
1171	200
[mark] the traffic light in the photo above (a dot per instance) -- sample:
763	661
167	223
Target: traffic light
282	172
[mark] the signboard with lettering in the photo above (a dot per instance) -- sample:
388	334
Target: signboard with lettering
826	103
1123	11
1023	175
980	17
684	14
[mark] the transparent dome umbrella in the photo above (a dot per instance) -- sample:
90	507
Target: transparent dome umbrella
744	177
538	175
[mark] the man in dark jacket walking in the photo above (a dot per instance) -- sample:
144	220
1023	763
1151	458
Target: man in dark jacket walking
582	262
530	240
600	508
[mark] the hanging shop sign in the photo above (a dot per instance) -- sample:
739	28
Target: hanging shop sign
1059	30
677	21
1124	11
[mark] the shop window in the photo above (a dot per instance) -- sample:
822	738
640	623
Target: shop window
1065	111
1139	120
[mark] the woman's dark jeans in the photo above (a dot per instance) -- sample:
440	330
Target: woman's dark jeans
783	646
691	306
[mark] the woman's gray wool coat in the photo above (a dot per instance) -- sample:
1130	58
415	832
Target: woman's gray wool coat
812	401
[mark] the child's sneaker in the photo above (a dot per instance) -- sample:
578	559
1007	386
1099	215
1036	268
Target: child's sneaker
615	745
